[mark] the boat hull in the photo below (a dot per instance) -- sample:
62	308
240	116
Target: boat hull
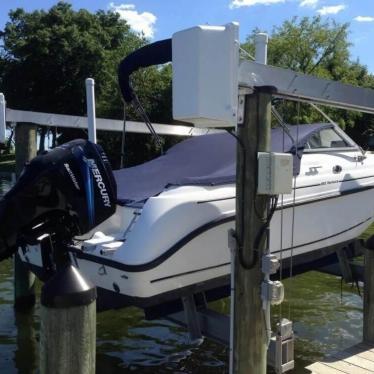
200	261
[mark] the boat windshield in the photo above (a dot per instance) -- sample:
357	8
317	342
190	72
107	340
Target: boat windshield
327	138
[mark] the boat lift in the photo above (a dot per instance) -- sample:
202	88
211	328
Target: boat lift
247	75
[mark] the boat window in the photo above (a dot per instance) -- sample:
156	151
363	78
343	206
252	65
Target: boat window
327	138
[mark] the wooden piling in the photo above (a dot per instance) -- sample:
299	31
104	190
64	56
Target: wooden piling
24	285
25	139
250	346
24	280
68	324
368	333
27	343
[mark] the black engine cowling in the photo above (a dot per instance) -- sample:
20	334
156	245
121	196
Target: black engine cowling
67	191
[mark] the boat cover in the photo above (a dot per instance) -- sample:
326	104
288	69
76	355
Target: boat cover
202	160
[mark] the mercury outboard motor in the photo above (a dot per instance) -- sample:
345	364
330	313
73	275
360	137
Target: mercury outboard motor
62	193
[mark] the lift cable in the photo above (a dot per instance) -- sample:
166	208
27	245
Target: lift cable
283	124
293	209
280	119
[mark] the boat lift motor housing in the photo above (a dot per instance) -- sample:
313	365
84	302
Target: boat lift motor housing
205	75
205	62
64	192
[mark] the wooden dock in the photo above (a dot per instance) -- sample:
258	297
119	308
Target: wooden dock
358	359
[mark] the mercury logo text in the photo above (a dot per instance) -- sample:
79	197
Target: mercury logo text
99	181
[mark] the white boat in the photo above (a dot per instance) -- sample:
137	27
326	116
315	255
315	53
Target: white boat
168	235
154	233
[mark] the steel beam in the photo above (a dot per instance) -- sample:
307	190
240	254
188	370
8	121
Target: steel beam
297	86
63	120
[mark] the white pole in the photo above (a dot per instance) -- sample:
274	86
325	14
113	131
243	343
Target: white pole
232	247
91	115
261	48
2	119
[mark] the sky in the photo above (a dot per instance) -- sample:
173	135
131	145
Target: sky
159	19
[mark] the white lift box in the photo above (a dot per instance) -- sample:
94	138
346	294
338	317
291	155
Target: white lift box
205	75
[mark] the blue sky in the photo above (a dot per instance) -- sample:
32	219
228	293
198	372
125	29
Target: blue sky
158	19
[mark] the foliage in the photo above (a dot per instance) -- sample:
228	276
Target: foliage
313	46
47	55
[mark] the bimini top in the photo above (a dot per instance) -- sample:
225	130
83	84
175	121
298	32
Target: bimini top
202	160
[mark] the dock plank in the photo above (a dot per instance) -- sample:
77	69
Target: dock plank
365	347
358	359
346	367
355	360
320	368
363	352
341	367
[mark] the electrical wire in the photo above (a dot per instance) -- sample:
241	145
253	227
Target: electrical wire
266	221
265	226
239	241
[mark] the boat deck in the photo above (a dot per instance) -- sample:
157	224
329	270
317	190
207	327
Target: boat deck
358	359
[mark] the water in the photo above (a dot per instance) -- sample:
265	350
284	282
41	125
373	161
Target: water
326	317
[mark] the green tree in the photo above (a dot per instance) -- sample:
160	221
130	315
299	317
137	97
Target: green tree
47	55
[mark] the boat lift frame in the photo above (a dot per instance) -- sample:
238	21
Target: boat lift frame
201	321
91	122
296	86
290	85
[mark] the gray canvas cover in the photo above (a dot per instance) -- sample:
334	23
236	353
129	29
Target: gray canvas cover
203	160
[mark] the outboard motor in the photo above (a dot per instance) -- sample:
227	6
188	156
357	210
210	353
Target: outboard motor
63	193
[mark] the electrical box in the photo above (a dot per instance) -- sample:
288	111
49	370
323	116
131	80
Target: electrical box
275	173
270	264
272	291
205	75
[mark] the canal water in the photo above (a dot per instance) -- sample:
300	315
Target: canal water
327	317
